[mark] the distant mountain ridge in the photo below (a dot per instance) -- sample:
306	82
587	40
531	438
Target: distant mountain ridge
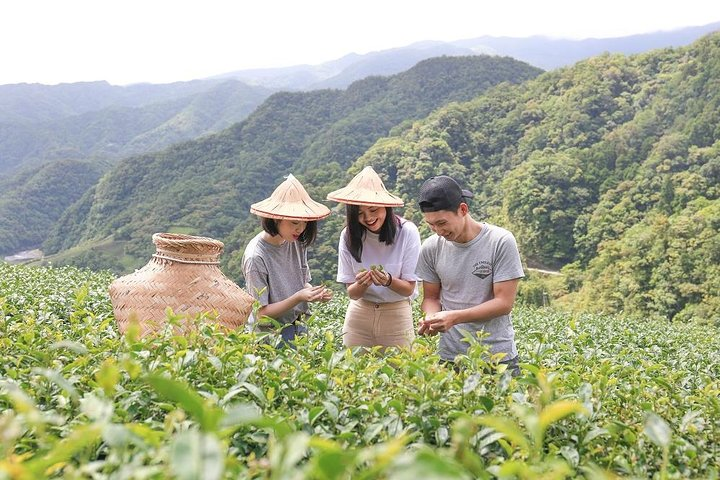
32	102
101	121
550	53
352	67
543	52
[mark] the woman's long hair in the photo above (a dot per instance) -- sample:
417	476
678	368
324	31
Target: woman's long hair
306	237
357	231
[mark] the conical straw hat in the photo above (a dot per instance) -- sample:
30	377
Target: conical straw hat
290	201
366	188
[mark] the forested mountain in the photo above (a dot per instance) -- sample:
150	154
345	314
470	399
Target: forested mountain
544	52
31	202
206	186
611	167
105	122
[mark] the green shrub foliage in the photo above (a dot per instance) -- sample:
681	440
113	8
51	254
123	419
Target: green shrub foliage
597	397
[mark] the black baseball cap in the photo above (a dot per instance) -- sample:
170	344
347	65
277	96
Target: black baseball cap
442	193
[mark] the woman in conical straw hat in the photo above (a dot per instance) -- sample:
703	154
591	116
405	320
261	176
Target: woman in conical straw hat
275	260
377	255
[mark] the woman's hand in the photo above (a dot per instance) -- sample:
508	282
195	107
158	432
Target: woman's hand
364	278
379	277
313	294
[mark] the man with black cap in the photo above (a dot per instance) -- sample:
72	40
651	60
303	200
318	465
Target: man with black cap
470	272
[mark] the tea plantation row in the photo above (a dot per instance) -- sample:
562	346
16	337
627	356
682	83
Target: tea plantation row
598	397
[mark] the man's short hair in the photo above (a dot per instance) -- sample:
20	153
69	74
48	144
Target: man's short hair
442	193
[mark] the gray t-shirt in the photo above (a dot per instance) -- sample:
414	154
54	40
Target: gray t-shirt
276	272
466	273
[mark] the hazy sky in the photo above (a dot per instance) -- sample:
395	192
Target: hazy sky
158	41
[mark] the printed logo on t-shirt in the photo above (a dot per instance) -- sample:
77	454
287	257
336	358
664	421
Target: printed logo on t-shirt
482	269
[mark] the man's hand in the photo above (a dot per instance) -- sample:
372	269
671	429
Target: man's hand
326	295
436	323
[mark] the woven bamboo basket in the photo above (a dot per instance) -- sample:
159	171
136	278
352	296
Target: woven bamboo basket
183	274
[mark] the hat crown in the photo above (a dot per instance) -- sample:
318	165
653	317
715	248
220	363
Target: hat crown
291	190
368	179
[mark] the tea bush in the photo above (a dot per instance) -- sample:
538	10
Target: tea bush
598	397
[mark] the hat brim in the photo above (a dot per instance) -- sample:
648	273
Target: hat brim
270	208
353	196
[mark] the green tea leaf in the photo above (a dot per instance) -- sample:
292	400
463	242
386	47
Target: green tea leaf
557	410
74	347
657	430
59	380
108	376
195	455
80	438
188	399
507	427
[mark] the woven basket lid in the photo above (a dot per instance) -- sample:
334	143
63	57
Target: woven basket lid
180	247
290	201
366	188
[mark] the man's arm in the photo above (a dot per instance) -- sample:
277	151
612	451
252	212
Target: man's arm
501	304
430	305
431	298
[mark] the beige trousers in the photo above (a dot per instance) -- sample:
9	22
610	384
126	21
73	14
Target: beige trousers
369	324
